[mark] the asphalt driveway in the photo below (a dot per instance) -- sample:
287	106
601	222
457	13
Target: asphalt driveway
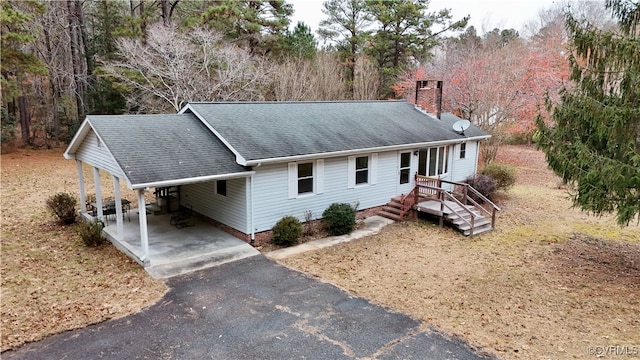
253	308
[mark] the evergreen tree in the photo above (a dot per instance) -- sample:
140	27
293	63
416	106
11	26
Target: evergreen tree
258	25
594	140
300	42
405	34
347	25
17	65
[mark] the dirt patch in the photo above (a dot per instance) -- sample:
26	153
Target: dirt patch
50	281
604	262
537	287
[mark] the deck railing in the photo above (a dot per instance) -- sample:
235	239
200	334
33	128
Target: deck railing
428	186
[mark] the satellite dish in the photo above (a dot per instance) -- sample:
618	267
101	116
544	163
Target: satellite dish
461	125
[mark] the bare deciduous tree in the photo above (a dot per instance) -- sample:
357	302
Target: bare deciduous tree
178	67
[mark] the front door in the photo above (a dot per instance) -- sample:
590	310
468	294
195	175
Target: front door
405	174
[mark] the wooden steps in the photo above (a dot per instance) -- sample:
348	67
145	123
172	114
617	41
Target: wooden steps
429	197
457	215
393	210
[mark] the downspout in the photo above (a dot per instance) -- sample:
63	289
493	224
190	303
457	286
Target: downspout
475	166
251	223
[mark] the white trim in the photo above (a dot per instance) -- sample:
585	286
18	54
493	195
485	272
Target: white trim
82	132
185	181
373	169
319	176
351	168
309	157
293	179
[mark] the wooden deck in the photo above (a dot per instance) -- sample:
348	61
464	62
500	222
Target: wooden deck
460	210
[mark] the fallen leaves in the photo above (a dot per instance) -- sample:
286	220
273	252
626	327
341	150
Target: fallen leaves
547	283
50	281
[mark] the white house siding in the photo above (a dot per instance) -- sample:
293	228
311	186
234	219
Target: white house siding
230	210
271	190
97	156
463	168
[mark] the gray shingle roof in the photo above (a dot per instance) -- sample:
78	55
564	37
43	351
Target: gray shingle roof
266	130
156	148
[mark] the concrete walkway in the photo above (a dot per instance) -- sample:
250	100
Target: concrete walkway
371	226
253	308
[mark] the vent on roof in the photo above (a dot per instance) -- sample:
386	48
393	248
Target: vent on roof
429	96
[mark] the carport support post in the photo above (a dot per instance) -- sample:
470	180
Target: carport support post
119	218
96	181
144	236
83	197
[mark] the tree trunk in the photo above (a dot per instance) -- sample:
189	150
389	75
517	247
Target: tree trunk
25	119
55	119
88	56
75	58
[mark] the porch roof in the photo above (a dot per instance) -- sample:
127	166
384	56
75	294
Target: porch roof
161	150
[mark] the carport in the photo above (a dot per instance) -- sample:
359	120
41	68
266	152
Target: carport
156	158
173	251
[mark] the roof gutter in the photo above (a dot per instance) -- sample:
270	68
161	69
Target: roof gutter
258	162
193	180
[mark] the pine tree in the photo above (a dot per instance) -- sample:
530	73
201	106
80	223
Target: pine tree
593	142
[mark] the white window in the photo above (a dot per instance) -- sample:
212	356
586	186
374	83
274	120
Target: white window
306	178
433	161
362	170
463	150
405	167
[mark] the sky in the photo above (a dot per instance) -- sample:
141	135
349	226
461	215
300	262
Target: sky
485	14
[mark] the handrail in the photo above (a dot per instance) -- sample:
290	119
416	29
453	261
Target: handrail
473	190
441	192
407	202
420	180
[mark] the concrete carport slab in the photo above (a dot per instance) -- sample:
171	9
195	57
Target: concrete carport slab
253	308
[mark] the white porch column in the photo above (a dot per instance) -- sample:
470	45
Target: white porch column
96	181
119	218
83	196
144	236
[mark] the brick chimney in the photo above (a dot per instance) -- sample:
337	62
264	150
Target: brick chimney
429	96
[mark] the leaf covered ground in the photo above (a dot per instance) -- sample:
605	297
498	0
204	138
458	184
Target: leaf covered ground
550	282
50	281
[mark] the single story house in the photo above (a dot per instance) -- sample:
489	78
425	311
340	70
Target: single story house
245	165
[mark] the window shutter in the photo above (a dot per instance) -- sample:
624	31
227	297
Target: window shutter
319	175
374	169
293	180
351	177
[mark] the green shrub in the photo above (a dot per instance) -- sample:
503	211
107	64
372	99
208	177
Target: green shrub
339	218
485	185
504	175
63	206
286	231
91	232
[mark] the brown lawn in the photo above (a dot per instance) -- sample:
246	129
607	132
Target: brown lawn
50	281
550	282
